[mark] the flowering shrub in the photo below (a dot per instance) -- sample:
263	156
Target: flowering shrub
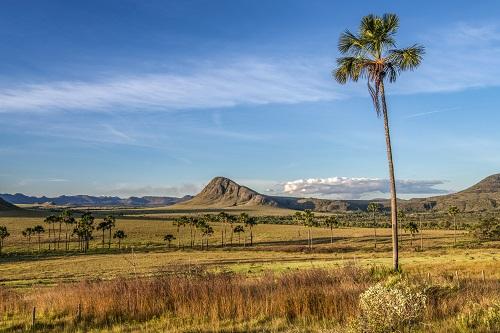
390	308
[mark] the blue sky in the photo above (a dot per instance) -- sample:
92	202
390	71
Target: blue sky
156	98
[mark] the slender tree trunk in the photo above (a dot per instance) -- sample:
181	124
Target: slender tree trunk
251	236
59	236
455	230
331	235
310	239
421	235
392	180
103	238
109	239
39	246
178	238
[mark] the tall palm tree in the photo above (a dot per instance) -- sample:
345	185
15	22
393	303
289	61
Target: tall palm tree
51	220
238	230
103	226
4	233
372	54
374	208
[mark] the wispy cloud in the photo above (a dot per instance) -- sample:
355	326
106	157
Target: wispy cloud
241	82
355	188
423	114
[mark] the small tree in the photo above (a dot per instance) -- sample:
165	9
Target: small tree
238	230
223	218
111	222
374	208
103	226
412	227
4	233
39	230
453	211
27	233
84	228
332	222
168	238
402	220
120	235
51	220
249	222
67	218
487	229
207	232
307	219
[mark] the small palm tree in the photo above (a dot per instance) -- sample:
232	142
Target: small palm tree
27	233
307	219
249	222
39	230
206	232
67	218
180	222
223	218
84	228
402	221
4	233
374	209
332	222
372	54
120	235
453	211
111	222
168	238
238	230
413	229
103	226
51	220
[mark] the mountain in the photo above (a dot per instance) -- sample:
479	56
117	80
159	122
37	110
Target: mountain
7	206
222	192
88	200
482	196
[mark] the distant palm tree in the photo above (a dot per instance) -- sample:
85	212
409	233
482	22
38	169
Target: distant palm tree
371	54
180	222
84	228
68	220
453	211
307	219
103	226
402	221
223	218
28	232
169	238
120	234
249	222
4	233
207	232
238	230
374	208
111	222
413	229
332	222
51	220
39	230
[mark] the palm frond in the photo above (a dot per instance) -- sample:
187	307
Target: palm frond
408	58
350	68
349	43
375	94
391	23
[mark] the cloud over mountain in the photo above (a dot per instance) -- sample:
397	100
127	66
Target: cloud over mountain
354	188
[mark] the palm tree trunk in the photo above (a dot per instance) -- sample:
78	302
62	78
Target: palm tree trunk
251	236
392	180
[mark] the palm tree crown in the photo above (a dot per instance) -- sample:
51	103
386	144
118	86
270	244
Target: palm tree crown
372	54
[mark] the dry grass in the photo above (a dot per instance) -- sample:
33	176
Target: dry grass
312	298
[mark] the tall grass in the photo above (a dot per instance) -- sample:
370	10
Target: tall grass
306	296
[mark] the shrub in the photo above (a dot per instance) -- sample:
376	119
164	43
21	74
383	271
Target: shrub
390	308
488	229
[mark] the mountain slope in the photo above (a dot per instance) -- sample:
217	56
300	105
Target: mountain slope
7	206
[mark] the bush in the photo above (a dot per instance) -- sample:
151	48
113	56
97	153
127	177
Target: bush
488	229
390	308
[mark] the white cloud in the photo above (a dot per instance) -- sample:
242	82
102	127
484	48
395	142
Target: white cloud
243	82
355	188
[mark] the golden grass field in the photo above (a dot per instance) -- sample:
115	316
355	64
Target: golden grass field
32	277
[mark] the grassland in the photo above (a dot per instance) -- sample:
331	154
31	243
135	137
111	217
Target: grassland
32	277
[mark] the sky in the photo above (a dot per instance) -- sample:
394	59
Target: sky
157	97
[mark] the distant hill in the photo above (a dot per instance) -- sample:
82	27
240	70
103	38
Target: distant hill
7	206
482	196
222	192
88	200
